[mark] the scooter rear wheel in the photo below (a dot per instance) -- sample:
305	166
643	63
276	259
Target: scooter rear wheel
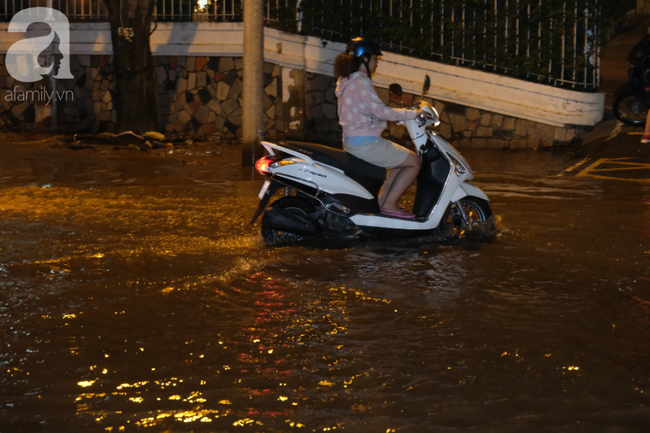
629	110
296	205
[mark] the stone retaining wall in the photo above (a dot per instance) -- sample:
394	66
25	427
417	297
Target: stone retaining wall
197	95
201	96
470	127
84	103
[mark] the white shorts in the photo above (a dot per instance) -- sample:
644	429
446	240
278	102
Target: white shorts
379	152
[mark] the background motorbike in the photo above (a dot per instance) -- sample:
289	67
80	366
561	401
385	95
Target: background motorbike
632	99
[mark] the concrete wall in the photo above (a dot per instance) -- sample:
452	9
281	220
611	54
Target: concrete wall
198	76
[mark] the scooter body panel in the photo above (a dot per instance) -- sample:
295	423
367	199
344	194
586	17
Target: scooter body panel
467	189
326	179
315	174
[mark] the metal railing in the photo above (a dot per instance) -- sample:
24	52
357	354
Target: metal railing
165	10
550	41
73	9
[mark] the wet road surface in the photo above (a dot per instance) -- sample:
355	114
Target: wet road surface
136	296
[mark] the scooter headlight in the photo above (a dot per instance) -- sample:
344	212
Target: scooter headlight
459	168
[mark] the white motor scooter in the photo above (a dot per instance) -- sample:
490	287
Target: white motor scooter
329	190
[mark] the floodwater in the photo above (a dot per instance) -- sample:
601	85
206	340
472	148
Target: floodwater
137	296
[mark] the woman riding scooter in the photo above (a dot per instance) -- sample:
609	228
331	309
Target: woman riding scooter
363	117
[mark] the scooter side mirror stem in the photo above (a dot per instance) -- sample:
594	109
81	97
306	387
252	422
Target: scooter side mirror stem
426	86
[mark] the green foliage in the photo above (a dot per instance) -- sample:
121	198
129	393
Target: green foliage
550	41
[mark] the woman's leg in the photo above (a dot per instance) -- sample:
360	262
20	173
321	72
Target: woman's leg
399	181
390	177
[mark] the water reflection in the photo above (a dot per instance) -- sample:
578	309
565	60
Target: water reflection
160	308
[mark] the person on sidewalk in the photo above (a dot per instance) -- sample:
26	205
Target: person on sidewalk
363	117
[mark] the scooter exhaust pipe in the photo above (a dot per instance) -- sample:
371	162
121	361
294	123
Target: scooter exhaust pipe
283	220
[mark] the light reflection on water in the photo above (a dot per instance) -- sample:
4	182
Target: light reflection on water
143	309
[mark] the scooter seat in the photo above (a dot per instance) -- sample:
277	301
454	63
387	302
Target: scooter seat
350	164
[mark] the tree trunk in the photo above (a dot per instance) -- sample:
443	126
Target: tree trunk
136	99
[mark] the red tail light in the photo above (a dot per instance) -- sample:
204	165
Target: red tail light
262	165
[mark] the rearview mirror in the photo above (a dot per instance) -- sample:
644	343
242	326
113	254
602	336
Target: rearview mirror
395	89
427	84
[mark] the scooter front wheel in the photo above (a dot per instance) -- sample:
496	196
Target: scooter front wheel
469	213
630	110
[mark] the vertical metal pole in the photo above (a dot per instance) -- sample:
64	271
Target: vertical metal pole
462	54
453	35
421	39
474	37
298	16
485	30
585	50
442	25
539	35
575	41
550	57
528	34
253	91
517	31
506	29
496	29
432	26
401	8
597	51
563	40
